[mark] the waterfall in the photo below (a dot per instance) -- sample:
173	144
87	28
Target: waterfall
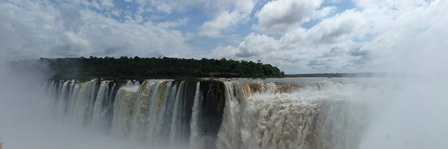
229	134
213	114
259	116
175	127
99	109
195	139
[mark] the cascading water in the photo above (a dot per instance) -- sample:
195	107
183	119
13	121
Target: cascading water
213	114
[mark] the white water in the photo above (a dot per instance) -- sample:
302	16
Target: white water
99	110
311	114
308	119
195	138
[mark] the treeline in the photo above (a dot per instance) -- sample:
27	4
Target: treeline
147	68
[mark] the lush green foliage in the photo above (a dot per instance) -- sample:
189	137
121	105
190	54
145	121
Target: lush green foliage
145	68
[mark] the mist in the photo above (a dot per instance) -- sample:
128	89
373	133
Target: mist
26	120
413	116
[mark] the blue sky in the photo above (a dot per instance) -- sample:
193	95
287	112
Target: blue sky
299	36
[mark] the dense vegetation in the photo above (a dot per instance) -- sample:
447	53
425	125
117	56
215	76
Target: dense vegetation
145	68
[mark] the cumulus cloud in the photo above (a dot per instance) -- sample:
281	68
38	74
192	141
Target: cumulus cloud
221	16
222	22
353	40
173	24
107	4
169	6
279	16
296	35
328	46
253	45
342	27
38	29
238	12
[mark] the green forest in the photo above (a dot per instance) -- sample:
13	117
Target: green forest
153	68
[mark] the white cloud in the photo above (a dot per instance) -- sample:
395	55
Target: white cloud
279	16
169	6
339	28
219	24
373	33
108	4
353	40
32	29
238	12
328	46
223	15
253	45
174	24
75	43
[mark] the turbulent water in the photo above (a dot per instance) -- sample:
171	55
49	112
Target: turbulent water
223	114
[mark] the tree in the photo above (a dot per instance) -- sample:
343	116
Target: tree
163	67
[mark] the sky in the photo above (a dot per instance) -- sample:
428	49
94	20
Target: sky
298	36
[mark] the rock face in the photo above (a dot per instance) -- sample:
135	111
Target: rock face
213	114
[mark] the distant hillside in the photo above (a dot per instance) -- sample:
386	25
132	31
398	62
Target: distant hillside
146	68
331	75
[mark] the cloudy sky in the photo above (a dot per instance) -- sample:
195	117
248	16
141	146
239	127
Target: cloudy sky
299	36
